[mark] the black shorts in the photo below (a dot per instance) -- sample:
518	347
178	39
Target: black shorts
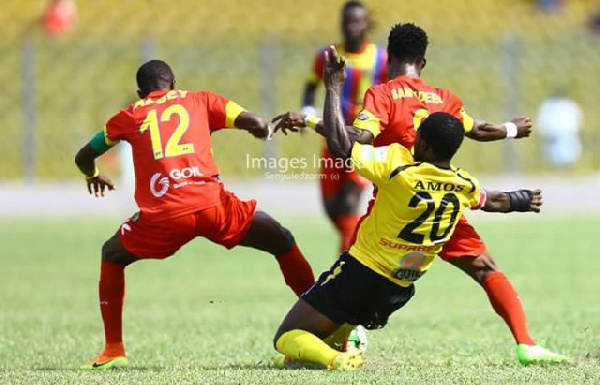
352	293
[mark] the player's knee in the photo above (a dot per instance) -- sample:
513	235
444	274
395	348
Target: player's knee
484	265
477	267
108	252
280	331
287	240
113	252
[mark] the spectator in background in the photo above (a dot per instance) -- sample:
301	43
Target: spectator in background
559	123
59	17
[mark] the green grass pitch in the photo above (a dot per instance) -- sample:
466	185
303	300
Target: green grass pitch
207	315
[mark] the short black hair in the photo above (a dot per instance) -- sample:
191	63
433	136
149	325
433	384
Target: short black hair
443	133
348	5
154	75
407	42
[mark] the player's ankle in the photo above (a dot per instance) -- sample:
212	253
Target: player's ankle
114	349
532	343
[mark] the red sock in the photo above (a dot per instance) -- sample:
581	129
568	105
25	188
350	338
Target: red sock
507	304
112	292
346	224
296	271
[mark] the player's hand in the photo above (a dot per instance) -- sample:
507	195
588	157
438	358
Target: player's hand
99	185
290	121
536	201
334	71
523	127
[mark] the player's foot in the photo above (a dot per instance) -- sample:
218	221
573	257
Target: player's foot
347	361
535	354
104	362
286	362
356	341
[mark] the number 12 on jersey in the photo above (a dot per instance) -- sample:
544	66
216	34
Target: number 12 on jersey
173	147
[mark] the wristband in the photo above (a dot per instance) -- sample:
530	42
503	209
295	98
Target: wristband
520	200
311	121
511	130
96	173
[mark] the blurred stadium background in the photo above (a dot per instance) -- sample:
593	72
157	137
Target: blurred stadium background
502	58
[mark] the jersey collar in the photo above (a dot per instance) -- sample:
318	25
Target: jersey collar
156	94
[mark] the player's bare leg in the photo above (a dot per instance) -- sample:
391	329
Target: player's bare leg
301	337
342	209
112	292
266	234
507	304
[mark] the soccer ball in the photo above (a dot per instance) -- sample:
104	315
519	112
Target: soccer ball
357	340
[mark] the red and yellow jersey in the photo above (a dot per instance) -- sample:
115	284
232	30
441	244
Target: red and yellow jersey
393	111
169	132
414	212
363	69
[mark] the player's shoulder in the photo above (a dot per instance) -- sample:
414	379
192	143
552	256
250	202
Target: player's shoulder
125	114
197	93
381	89
447	95
395	153
202	96
467	177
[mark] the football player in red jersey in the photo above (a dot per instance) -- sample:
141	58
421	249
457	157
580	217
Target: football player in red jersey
341	187
392	112
178	191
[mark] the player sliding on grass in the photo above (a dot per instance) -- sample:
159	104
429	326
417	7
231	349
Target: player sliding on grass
392	113
178	191
418	204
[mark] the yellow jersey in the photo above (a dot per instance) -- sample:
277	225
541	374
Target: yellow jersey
414	212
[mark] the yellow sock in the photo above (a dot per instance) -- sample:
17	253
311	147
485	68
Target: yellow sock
339	336
305	346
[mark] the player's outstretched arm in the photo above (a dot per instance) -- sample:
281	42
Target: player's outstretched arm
254	124
520	200
293	121
97	183
486	132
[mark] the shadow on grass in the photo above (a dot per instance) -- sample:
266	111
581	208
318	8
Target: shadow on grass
136	368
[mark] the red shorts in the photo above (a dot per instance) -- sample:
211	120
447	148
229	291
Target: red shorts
464	242
334	176
225	224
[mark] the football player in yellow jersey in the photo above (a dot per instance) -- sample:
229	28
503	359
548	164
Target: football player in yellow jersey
417	205
391	114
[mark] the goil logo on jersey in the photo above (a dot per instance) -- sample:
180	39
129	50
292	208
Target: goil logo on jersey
159	185
187	172
410	267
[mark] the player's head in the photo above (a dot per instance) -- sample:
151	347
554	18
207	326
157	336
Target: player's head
438	138
355	22
154	75
407	44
